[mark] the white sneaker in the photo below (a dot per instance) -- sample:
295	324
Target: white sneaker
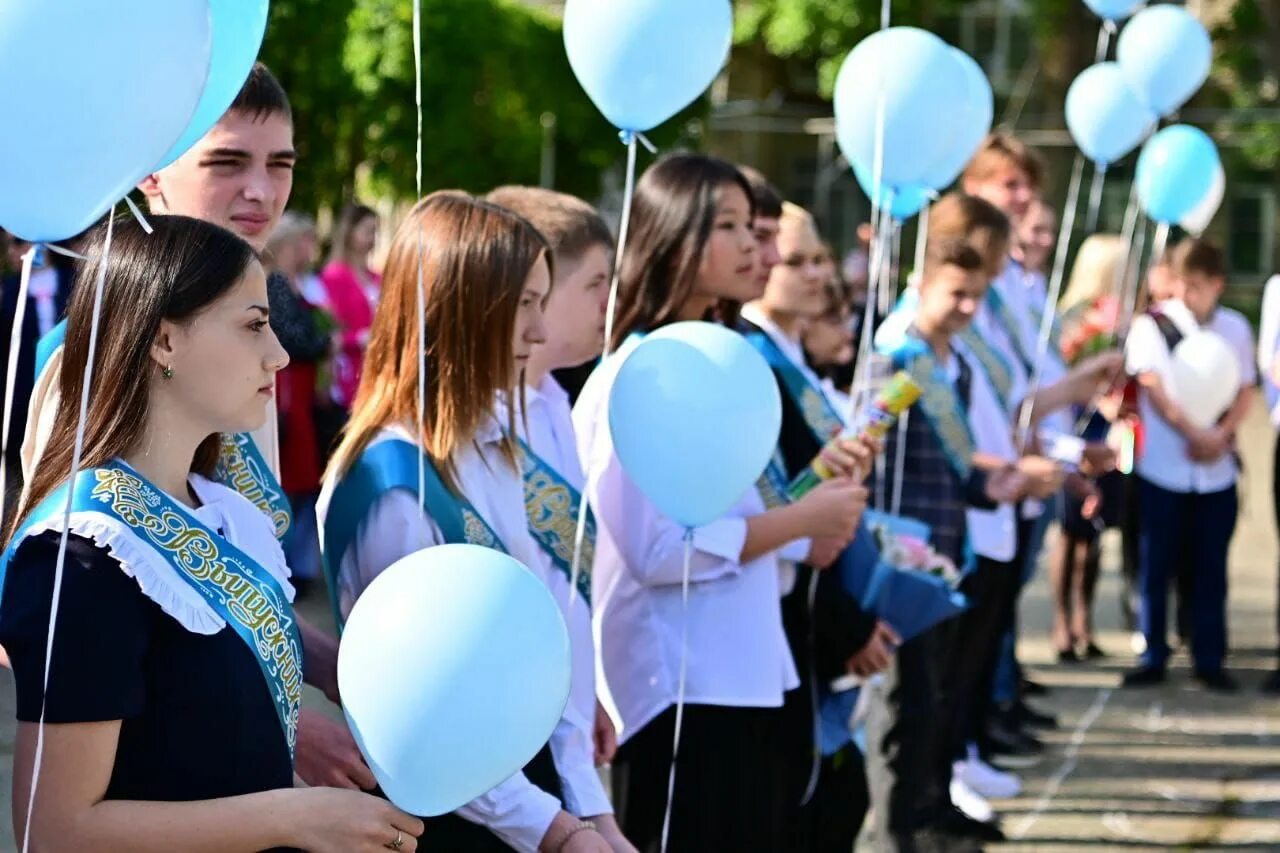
971	802
986	780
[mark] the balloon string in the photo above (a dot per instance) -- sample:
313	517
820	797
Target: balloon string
76	454
1095	197
1134	278
684	663
417	91
899	463
11	373
1051	298
422	376
922	241
862	379
628	191
1104	41
815	765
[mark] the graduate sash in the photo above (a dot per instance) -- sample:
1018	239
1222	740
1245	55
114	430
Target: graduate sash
1004	316
939	403
241	466
552	505
815	408
993	364
233	584
386	465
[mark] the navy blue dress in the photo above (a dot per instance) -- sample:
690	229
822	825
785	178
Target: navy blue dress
197	720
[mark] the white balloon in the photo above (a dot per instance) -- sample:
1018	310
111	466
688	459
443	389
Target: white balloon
1202	214
1206	376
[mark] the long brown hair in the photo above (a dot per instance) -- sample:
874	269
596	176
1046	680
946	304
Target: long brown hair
671	219
172	274
475	257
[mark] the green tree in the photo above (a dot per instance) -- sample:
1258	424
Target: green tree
491	70
824	31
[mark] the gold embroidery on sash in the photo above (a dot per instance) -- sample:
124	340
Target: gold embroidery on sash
267	621
242	473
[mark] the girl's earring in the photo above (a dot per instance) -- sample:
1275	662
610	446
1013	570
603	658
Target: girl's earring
167	373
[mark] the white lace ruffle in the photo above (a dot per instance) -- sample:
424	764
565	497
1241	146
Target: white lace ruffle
158	580
243	524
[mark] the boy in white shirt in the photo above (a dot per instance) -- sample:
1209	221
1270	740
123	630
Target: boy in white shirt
1187	474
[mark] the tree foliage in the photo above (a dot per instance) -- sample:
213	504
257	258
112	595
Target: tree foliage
491	70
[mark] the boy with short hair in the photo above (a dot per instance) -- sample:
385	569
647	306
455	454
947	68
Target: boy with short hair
1187	473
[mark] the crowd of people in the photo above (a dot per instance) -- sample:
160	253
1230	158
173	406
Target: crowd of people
252	425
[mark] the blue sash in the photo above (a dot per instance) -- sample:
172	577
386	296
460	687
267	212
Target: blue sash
246	596
552	505
241	465
821	419
48	345
941	407
1004	316
386	465
993	365
814	406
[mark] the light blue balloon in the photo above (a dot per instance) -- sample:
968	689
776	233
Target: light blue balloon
1176	170
694	414
94	95
237	27
1114	10
976	117
642	61
1165	54
902	203
1106	118
454	670
909	81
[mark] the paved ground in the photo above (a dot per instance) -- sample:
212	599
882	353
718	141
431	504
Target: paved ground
1173	768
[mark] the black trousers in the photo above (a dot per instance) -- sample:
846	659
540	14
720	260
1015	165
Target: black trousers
908	755
971	661
451	833
1275	490
728	793
831	820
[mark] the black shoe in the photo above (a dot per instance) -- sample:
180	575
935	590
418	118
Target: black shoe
1272	684
1010	748
959	825
1146	676
1217	680
1032	718
1092	652
1068	656
1033	688
933	841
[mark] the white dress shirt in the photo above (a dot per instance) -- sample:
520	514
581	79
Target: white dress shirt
1164	459
992	533
547	427
1268	341
517	810
737	652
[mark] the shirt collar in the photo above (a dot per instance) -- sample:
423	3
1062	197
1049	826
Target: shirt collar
792	349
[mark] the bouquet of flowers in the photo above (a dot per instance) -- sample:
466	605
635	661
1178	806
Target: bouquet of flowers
1090	329
904	544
